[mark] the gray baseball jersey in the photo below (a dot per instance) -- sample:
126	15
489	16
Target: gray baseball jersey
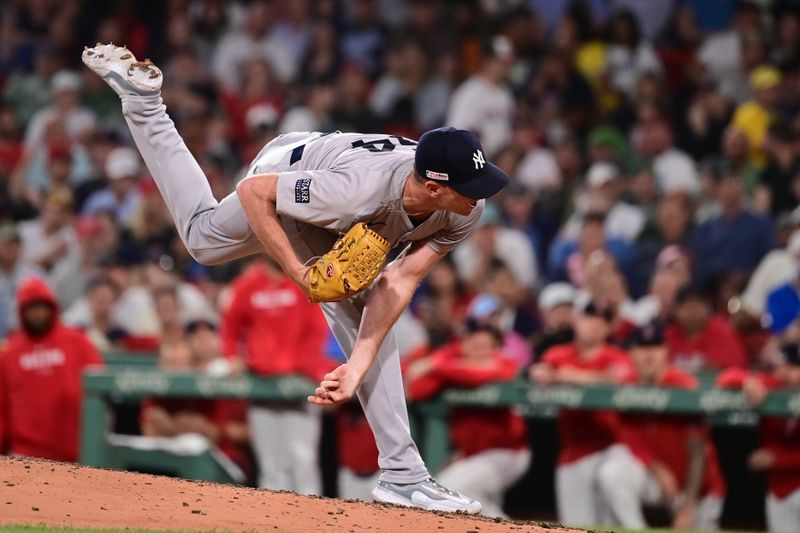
328	182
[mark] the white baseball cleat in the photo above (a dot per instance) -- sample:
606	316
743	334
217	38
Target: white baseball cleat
428	494
120	69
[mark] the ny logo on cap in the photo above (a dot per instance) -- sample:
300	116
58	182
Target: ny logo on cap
478	159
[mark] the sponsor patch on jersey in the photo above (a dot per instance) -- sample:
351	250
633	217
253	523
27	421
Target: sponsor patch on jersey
302	191
439	176
329	270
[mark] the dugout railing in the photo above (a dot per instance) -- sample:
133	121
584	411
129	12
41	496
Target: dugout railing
430	419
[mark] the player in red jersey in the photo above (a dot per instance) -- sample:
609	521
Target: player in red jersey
662	459
491	445
585	435
270	323
779	454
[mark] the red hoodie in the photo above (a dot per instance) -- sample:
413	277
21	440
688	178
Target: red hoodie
271	321
779	435
665	437
473	430
40	385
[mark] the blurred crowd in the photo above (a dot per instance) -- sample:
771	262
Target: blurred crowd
650	233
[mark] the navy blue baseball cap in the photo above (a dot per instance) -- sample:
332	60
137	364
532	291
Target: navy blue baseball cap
648	335
455	158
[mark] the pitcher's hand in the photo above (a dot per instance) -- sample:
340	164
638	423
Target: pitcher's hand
337	387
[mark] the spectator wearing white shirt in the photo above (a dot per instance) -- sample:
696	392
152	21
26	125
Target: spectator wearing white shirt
78	121
490	240
314	115
484	103
630	56
122	196
721	53
241	45
13	271
604	186
674	169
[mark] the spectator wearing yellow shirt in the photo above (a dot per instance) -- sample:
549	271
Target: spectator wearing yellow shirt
754	116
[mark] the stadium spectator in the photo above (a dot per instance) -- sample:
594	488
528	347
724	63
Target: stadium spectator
122	196
270	325
489	310
492	241
251	41
442	303
699	340
40	379
605	185
410	97
483	103
778	267
26	91
556	304
78	121
490	445
672	226
779	184
630	56
571	259
661	460
14	270
585	436
672	271
733	242
102	293
674	169
753	117
313	115
721	53
50	239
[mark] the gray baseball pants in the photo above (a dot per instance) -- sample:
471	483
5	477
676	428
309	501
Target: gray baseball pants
218	232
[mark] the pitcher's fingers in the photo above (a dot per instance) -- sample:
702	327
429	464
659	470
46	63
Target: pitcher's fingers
321	392
318	401
329	384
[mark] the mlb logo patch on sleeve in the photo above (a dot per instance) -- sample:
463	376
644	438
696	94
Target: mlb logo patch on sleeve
302	192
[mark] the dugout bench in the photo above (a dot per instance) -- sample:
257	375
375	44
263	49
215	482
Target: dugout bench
429	419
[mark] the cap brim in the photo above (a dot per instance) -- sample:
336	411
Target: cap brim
486	185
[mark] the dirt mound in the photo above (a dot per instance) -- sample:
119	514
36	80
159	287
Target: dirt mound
36	492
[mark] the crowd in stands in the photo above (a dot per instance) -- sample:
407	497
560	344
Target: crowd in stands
650	233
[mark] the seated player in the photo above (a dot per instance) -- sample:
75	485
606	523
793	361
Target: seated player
357	454
222	421
662	460
491	445
779	453
585	436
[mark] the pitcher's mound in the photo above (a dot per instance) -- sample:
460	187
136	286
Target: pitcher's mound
44	492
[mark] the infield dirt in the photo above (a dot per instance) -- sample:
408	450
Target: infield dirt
57	494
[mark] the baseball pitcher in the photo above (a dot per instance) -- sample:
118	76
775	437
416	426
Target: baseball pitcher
301	193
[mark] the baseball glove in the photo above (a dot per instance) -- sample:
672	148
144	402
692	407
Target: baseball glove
349	267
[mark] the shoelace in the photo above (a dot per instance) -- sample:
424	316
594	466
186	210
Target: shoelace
442	488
